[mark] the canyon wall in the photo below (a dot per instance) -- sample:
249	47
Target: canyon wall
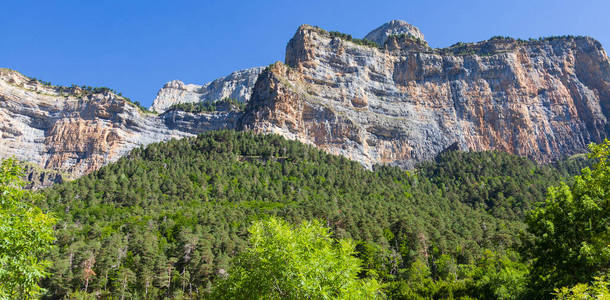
405	102
237	85
75	131
397	103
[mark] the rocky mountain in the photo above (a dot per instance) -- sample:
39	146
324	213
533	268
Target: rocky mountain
394	27
397	103
237	85
73	131
405	102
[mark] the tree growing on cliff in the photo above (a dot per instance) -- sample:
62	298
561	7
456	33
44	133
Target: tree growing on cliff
571	238
301	262
26	234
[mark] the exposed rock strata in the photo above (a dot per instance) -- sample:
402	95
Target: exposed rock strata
406	102
237	85
394	27
398	104
75	132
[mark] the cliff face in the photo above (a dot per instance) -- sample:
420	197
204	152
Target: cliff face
74	131
405	102
394	27
237	85
398	104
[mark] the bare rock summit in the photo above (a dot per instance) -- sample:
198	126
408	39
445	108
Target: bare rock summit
394	27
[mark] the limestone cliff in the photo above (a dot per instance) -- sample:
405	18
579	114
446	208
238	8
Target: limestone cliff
406	102
76	131
394	27
398	103
237	85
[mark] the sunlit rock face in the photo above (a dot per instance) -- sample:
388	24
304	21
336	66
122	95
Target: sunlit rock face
395	27
397	104
74	131
405	102
237	85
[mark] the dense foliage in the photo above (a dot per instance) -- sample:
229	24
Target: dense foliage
26	234
349	38
301	262
505	185
201	107
598	289
571	229
166	219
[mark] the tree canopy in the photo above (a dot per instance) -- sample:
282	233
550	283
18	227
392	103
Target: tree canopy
26	235
165	219
295	262
571	229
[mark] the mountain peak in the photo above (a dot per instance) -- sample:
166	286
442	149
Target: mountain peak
381	33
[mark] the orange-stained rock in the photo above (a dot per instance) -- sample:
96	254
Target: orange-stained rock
398	104
405	102
75	132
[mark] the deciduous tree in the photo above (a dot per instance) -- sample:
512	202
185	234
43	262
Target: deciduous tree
295	262
571	229
26	234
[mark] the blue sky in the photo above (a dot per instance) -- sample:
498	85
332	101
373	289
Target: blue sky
136	46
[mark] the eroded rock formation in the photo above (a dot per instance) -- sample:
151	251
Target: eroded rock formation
75	131
406	102
237	85
394	27
399	103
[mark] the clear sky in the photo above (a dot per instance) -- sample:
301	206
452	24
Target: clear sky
136	46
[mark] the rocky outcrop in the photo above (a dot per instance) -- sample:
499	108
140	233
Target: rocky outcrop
200	123
398	104
75	131
406	102
237	85
394	27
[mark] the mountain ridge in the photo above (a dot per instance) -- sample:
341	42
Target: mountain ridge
410	104
237	85
398	103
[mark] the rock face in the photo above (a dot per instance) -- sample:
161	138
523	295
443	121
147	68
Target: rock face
394	27
39	178
237	85
406	102
398	104
74	131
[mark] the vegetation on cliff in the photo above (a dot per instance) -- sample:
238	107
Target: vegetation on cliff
225	104
345	37
501	44
29	83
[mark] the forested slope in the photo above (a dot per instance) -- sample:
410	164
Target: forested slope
165	220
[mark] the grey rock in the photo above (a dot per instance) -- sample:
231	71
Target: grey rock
401	105
398	105
74	132
237	85
394	27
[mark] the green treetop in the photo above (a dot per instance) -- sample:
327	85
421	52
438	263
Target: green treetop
295	262
571	229
26	234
